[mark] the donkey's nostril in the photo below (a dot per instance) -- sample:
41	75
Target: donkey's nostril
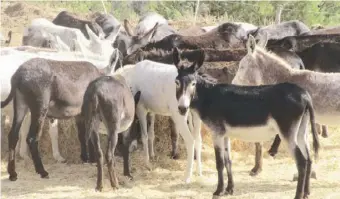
182	110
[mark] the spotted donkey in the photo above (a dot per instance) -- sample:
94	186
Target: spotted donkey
249	113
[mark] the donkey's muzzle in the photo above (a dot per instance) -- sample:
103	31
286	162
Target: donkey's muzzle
182	110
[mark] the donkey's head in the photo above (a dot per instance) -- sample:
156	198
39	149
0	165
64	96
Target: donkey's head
140	40
186	79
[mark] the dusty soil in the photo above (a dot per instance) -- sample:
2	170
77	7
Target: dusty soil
164	181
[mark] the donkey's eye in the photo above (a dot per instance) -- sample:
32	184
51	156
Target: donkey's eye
177	83
193	84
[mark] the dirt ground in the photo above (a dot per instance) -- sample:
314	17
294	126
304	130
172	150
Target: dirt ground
165	179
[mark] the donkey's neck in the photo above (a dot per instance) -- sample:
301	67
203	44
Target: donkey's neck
202	92
274	69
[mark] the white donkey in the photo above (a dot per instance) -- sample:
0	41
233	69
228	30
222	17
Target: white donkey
157	83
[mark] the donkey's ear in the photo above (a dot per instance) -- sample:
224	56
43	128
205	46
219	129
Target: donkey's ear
127	27
150	33
137	97
251	43
200	60
175	56
253	32
263	40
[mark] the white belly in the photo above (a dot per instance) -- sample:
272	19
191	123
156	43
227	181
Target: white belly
254	134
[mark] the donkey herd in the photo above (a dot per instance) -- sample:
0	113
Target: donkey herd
246	82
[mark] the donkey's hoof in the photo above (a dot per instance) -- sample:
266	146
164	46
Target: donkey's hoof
313	175
44	174
272	153
99	188
255	171
13	177
174	156
128	177
306	195
218	193
229	190
60	160
295	177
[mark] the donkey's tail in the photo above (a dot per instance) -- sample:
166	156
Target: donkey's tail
8	99
91	116
316	143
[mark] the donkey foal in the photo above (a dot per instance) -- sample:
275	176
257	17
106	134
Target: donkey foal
109	99
249	113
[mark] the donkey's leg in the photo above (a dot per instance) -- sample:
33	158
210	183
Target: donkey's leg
151	135
38	116
220	156
227	163
22	145
183	129
196	129
290	135
275	146
53	131
99	155
141	114
126	136
324	131
112	143
258	160
303	144
81	136
19	109
174	140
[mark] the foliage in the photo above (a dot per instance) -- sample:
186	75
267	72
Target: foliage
256	12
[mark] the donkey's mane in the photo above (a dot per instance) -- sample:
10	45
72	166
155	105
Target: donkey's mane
123	69
272	56
206	79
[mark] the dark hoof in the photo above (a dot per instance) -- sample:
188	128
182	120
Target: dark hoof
218	193
306	195
100	188
13	177
255	171
272	153
313	175
229	190
174	156
324	135
84	159
44	175
295	177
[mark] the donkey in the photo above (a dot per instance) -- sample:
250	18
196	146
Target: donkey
109	99
67	19
155	81
282	30
150	28
249	113
227	35
261	67
52	89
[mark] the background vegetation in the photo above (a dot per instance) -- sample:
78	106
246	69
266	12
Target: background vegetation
256	12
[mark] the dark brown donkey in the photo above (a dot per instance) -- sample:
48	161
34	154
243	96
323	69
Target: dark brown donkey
109	99
48	88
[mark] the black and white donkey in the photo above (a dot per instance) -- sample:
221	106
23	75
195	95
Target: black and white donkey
249	113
